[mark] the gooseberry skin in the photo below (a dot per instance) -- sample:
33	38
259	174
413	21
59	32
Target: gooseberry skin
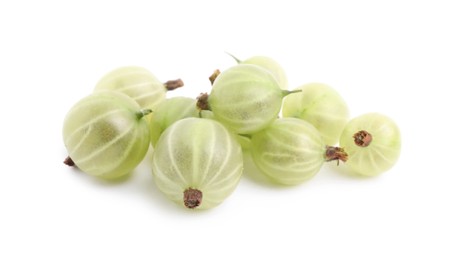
170	111
177	108
197	153
105	134
270	65
246	98
320	105
244	141
289	151
135	82
383	150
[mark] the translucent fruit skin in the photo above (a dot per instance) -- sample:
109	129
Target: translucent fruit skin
289	151
170	111
383	151
137	83
246	98
176	108
104	136
272	66
320	105
201	154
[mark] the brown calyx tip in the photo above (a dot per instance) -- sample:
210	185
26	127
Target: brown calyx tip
335	153
173	84
202	103
192	198
214	76
68	161
362	138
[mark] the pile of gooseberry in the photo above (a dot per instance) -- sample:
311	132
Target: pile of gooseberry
197	156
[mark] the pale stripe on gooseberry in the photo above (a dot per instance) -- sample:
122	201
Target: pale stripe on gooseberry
105	134
207	181
289	151
246	98
88	123
136	82
375	150
148	94
299	167
137	71
79	142
268	64
197	154
122	159
379	152
170	111
134	86
106	145
230	175
172	159
209	160
320	105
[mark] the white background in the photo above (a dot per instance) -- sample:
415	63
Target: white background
386	56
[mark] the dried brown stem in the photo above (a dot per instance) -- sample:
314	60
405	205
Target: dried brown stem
362	138
173	84
214	76
192	198
335	154
202	103
68	161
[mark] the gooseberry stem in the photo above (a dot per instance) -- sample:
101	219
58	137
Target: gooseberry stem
69	162
192	198
235	58
335	153
246	135
173	84
143	113
214	76
288	92
362	138
202	103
